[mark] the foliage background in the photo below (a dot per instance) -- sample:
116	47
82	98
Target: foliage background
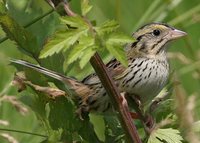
131	14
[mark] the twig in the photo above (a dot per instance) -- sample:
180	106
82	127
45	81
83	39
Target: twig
146	119
23	132
114	94
68	10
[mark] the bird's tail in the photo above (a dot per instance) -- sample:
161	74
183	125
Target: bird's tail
80	88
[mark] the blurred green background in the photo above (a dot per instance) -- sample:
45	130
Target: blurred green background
184	54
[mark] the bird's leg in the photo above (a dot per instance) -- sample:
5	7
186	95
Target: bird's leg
154	104
134	115
79	113
149	123
124	103
157	101
123	100
82	112
146	118
135	103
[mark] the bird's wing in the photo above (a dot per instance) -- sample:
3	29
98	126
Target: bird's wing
114	67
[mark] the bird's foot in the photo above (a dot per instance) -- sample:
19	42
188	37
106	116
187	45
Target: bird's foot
149	123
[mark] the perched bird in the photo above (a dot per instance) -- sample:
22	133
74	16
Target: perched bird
144	78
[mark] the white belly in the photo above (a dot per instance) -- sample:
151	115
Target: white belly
145	79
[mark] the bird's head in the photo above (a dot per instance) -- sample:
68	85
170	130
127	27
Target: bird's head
152	38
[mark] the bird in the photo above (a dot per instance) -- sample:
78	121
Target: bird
144	77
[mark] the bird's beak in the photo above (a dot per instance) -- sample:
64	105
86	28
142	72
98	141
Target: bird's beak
175	34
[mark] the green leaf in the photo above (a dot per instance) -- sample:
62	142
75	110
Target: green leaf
107	27
2	8
75	53
88	53
74	21
61	113
118	52
85	7
26	41
54	62
61	41
114	40
168	135
99	126
86	131
62	117
119	38
78	50
36	103
113	130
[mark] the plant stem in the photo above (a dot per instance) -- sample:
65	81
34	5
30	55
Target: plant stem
23	132
114	94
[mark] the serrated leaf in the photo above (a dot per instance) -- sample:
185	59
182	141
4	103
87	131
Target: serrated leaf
74	21
118	52
119	38
107	27
114	43
168	135
88	53
75	53
62	41
85	7
77	50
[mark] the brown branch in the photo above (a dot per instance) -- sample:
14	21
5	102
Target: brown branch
68	10
114	94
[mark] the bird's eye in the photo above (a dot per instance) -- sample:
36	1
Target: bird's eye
156	32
